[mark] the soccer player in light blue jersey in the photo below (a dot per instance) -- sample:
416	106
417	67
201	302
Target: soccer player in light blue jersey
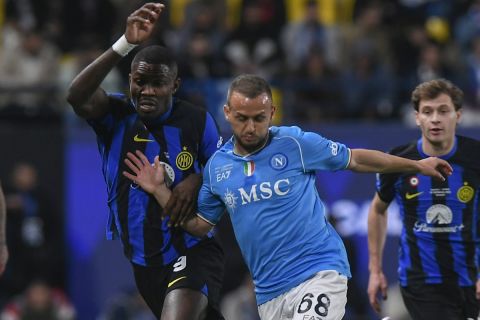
265	178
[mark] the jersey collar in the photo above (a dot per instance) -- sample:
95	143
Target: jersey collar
444	157
160	120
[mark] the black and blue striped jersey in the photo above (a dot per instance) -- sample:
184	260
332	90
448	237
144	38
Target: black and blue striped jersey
183	138
440	236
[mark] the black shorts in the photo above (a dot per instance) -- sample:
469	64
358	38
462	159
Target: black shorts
200	268
440	301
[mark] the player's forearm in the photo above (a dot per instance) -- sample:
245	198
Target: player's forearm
375	161
162	194
196	226
84	92
377	231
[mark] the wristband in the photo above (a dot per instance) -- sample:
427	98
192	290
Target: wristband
122	46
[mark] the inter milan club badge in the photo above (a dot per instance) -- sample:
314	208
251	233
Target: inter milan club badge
248	168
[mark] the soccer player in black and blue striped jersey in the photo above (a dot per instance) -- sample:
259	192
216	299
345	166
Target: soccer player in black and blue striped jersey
439	243
179	275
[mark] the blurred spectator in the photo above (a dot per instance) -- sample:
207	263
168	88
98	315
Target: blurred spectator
34	235
251	48
431	65
127	306
29	74
467	26
367	86
472	92
299	38
39	15
199	43
315	91
39	302
240	304
369	30
82	20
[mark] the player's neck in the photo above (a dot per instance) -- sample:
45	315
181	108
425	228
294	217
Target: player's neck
437	149
240	151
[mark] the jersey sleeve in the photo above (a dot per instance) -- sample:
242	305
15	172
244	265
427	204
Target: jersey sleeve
319	153
211	140
104	126
210	206
385	185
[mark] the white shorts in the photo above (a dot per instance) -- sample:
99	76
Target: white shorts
322	297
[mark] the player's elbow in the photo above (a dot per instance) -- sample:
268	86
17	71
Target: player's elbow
74	99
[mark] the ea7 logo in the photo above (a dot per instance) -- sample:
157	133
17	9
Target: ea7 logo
265	191
223	172
223	175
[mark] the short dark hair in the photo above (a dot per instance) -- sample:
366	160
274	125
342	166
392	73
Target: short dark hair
249	85
433	88
156	55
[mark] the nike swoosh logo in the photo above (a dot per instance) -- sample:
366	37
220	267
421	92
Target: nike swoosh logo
175	281
137	139
409	196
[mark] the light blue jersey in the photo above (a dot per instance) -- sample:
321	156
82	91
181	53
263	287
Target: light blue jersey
277	215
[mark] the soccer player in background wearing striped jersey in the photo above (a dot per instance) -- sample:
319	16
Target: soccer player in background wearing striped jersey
439	244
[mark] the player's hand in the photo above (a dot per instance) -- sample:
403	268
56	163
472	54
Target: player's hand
141	22
149	177
377	282
477	291
183	201
435	167
3	257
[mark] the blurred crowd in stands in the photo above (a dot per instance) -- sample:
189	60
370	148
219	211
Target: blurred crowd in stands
329	59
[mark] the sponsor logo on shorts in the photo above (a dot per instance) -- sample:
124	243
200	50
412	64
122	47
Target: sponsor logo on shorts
171	283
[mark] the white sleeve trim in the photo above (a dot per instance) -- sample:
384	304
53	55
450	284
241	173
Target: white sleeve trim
349	158
205	219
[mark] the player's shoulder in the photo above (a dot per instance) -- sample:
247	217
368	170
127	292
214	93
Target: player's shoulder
470	144
293	132
408	150
221	156
185	108
120	104
468	151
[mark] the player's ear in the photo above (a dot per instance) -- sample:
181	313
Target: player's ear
226	111
459	115
417	121
272	114
176	84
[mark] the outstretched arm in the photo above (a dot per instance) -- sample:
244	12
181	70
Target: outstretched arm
152	179
90	101
377	231
3	240
363	160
